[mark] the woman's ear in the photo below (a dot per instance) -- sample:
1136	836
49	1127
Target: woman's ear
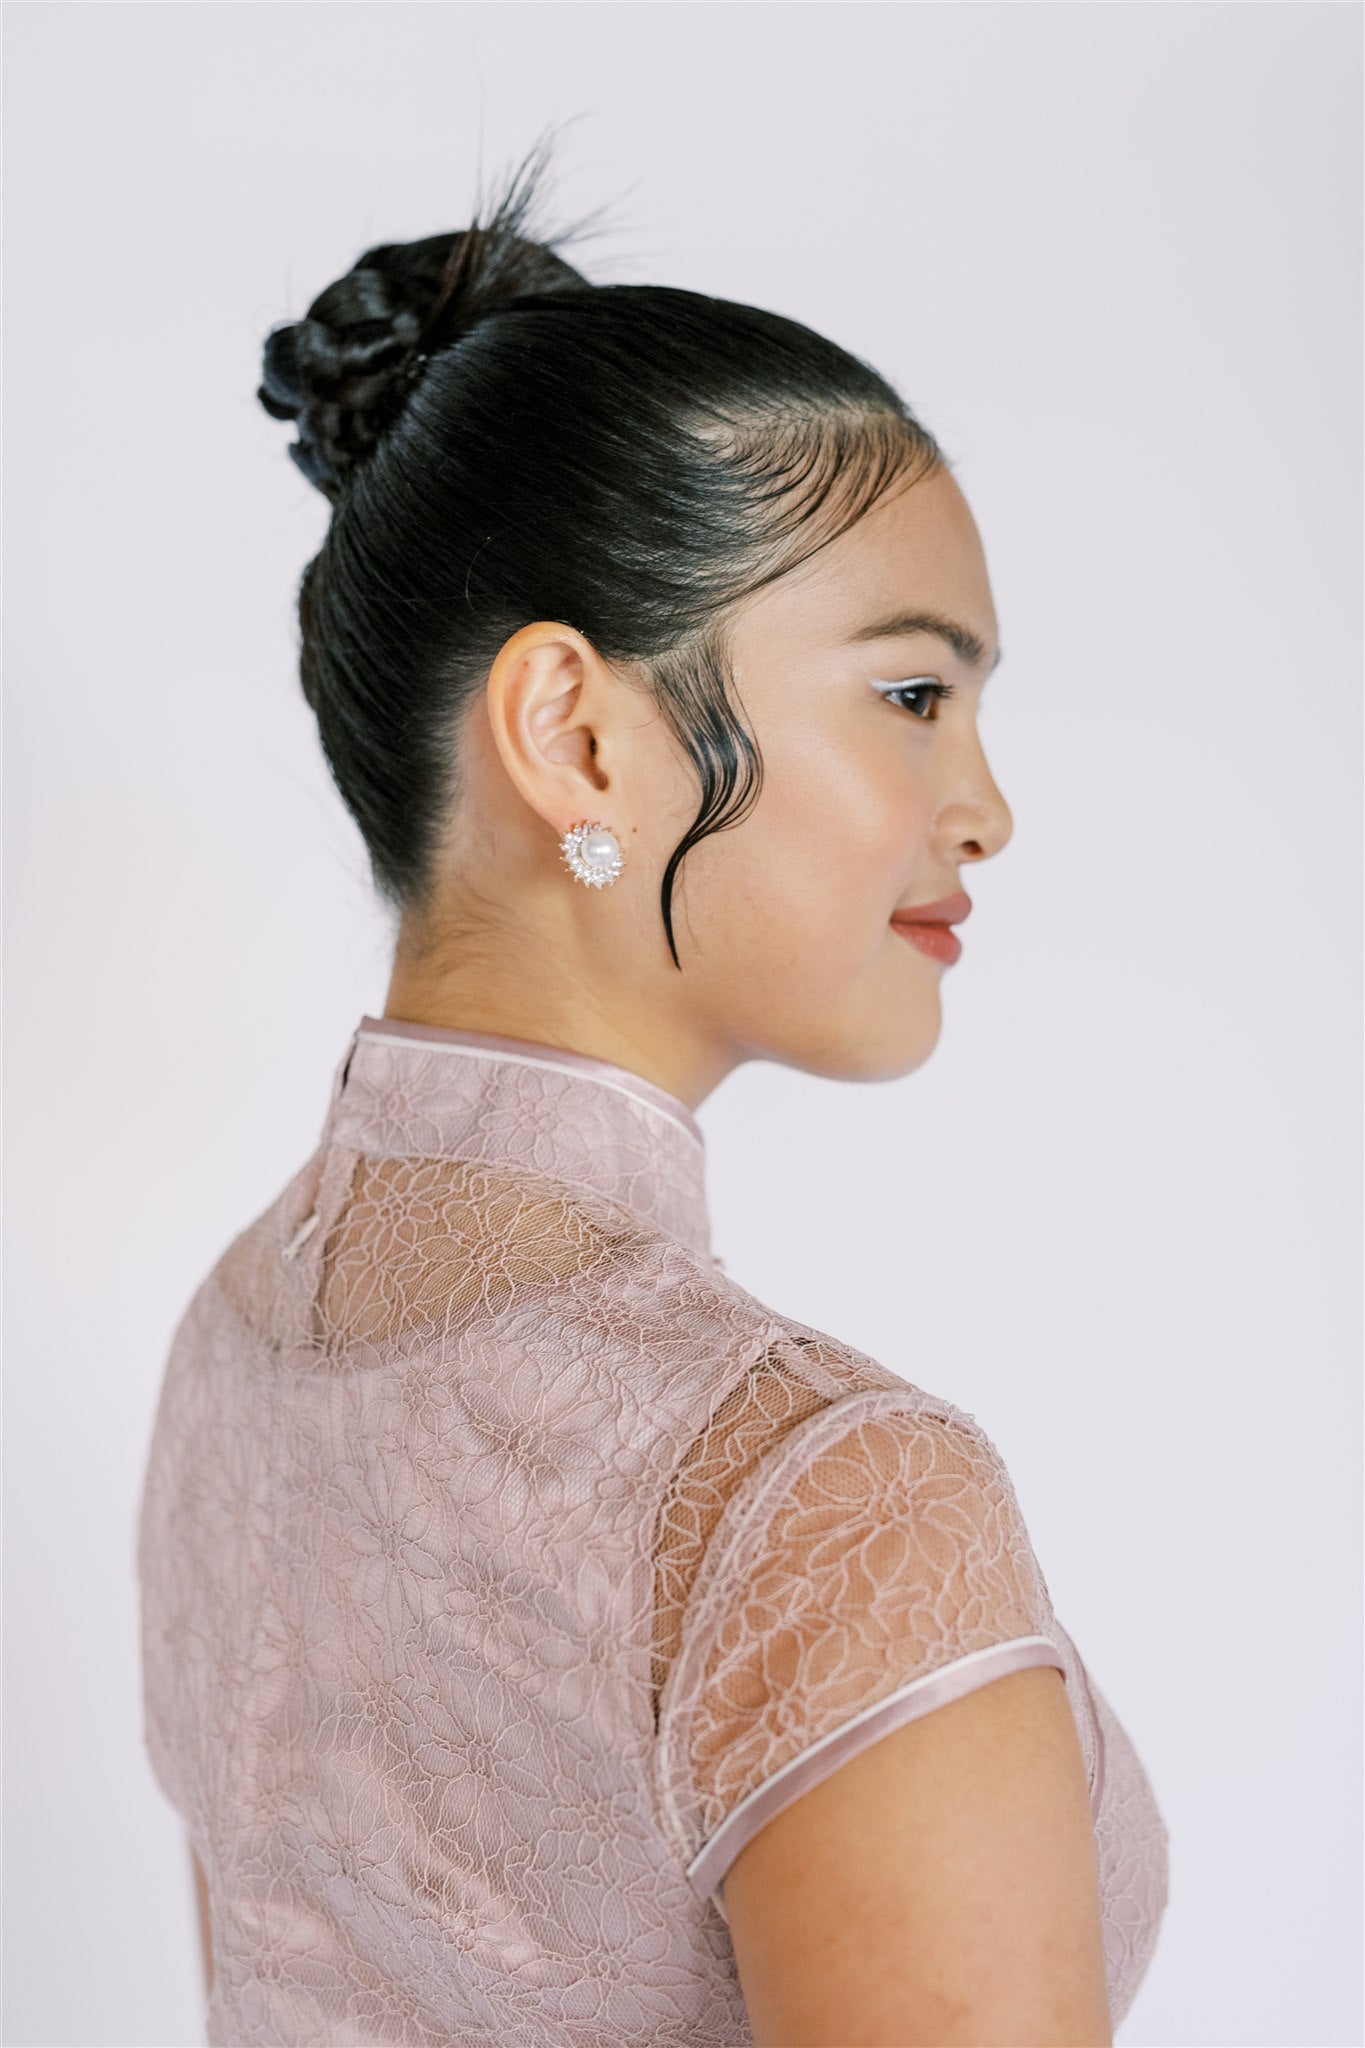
550	700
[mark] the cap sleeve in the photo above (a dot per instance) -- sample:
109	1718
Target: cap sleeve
873	1566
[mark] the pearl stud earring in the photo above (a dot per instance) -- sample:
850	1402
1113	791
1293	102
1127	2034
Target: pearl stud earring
593	853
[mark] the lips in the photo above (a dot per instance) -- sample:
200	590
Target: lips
939	941
947	910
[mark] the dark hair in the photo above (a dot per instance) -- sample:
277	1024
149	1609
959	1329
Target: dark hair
503	441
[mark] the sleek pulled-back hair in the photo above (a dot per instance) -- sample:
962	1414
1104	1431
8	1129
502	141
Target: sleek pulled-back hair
503	442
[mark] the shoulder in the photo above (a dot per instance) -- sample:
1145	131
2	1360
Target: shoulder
734	1360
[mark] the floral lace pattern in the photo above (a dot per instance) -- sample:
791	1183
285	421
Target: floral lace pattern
504	1566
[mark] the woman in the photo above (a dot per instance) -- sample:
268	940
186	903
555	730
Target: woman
545	1641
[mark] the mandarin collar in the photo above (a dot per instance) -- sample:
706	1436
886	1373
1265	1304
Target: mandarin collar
444	1092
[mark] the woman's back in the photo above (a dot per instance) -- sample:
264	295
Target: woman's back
506	1568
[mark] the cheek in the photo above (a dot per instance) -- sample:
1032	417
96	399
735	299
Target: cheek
833	846
866	805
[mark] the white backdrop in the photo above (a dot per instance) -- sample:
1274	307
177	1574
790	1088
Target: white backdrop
1112	255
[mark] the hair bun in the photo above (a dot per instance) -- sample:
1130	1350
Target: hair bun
344	370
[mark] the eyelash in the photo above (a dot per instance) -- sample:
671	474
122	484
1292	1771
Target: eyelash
927	686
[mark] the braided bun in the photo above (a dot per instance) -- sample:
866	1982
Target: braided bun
345	370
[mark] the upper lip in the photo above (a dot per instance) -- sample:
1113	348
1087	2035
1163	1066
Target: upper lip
948	910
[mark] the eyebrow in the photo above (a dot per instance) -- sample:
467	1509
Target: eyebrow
969	646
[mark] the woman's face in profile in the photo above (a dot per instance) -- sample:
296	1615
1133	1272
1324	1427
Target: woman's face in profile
871	803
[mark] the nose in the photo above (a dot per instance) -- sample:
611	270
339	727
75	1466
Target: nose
976	822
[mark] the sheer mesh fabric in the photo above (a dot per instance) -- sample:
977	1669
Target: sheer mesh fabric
874	1561
748	1422
428	1247
505	1566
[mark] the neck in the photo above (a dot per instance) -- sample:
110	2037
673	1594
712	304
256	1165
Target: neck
470	989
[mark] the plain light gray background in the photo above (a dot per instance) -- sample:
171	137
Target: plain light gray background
1112	255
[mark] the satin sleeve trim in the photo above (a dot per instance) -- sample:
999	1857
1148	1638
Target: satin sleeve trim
919	1696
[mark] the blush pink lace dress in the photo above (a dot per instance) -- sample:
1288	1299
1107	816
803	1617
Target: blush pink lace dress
505	1566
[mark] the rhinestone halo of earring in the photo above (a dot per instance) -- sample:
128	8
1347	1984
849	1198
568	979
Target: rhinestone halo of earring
593	853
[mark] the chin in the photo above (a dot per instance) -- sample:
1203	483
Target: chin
893	1063
886	1047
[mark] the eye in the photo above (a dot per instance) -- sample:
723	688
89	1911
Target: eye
918	686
